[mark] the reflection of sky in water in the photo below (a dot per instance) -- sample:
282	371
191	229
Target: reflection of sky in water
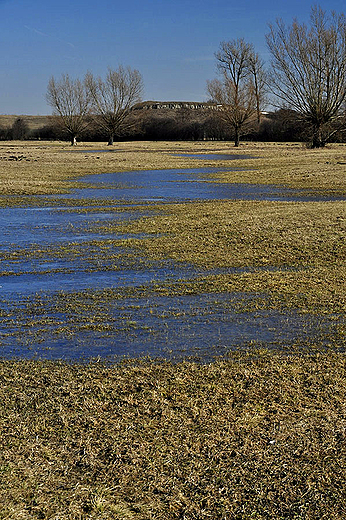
181	324
180	185
204	325
22	227
177	184
77	276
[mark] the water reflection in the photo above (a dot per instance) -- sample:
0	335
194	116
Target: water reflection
22	227
205	325
46	250
181	185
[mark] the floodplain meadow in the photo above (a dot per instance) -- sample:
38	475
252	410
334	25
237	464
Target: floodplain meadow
258	433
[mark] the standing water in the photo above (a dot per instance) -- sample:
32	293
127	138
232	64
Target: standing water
70	292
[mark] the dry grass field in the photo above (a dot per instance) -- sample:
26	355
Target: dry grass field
258	435
31	167
253	437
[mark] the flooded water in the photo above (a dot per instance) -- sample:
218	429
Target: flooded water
22	227
179	185
215	156
48	252
204	326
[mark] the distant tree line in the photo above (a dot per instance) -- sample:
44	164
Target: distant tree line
18	131
178	125
305	82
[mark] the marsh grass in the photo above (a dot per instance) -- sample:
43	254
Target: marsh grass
293	251
296	250
255	436
247	233
47	167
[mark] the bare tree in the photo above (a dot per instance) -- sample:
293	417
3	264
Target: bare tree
240	89
113	98
260	81
308	72
70	102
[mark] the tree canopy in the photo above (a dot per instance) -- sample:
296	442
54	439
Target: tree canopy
240	87
113	97
308	70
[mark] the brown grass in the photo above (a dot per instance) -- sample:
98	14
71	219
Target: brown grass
242	233
252	437
256	436
294	250
47	167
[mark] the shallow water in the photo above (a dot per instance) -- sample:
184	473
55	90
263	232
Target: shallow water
215	156
29	278
181	185
46	251
204	326
49	225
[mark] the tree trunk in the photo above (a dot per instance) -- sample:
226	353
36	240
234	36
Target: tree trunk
110	140
317	139
236	137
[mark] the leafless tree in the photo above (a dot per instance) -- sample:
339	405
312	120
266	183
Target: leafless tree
308	72
260	82
113	98
70	102
241	87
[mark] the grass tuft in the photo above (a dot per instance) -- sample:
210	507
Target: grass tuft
257	435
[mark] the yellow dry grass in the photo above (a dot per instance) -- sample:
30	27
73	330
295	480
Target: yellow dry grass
253	437
46	167
257	436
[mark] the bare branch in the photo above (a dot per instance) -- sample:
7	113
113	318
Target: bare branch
308	69
241	89
70	103
113	98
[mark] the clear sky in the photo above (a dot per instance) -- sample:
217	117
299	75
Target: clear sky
172	43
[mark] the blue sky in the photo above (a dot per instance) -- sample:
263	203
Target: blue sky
172	43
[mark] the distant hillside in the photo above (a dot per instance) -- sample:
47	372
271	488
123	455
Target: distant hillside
33	122
175	105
